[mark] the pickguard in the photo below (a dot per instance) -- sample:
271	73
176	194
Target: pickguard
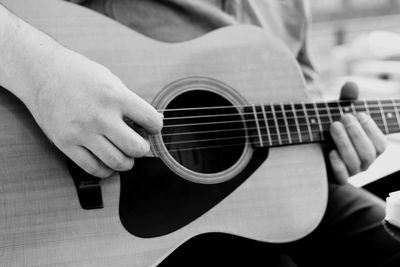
154	201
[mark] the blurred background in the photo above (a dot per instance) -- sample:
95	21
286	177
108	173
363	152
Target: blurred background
359	40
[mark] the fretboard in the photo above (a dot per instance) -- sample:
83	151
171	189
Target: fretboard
297	123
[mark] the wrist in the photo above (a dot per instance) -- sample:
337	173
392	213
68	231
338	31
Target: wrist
27	56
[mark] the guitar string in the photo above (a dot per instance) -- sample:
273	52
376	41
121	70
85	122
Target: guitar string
323	116
293	135
284	141
394	125
251	113
347	102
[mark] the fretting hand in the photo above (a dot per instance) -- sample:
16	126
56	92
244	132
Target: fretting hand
358	140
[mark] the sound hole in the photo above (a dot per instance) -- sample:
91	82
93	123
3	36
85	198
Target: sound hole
203	131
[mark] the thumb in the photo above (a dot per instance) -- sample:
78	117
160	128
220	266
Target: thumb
349	91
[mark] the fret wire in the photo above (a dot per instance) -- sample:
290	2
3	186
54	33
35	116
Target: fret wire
329	112
308	122
340	108
286	123
383	116
366	108
258	126
397	112
276	124
319	121
352	107
266	124
297	123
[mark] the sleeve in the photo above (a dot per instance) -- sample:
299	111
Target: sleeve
314	87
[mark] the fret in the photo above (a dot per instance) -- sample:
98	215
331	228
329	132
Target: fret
308	122
286	123
304	130
335	111
383	117
396	111
258	126
296	122
266	125
292	123
314	122
366	108
324	115
329	112
389	113
282	124
340	109
353	108
319	121
360	107
272	126
345	107
375	113
278	131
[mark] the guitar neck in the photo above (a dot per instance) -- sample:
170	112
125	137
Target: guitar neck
298	123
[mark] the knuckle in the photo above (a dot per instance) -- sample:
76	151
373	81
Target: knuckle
354	168
120	163
97	170
115	162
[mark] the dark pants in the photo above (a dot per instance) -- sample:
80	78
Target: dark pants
350	234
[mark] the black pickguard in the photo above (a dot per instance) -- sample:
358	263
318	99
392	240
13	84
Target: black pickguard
155	201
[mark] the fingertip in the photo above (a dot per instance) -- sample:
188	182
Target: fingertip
349	91
156	123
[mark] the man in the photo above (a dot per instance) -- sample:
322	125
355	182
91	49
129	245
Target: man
57	85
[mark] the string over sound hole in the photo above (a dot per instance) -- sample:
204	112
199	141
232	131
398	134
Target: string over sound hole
203	131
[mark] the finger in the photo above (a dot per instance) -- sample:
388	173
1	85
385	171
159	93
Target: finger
338	167
126	139
361	142
88	162
349	91
142	113
111	156
373	132
345	147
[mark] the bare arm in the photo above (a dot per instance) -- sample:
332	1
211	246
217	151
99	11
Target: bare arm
58	85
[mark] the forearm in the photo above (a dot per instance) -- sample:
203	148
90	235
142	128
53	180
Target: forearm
26	54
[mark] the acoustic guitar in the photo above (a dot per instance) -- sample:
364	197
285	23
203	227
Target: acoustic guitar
239	152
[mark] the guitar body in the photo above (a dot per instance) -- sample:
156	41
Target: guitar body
41	220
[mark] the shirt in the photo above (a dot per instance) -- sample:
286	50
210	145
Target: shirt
181	20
